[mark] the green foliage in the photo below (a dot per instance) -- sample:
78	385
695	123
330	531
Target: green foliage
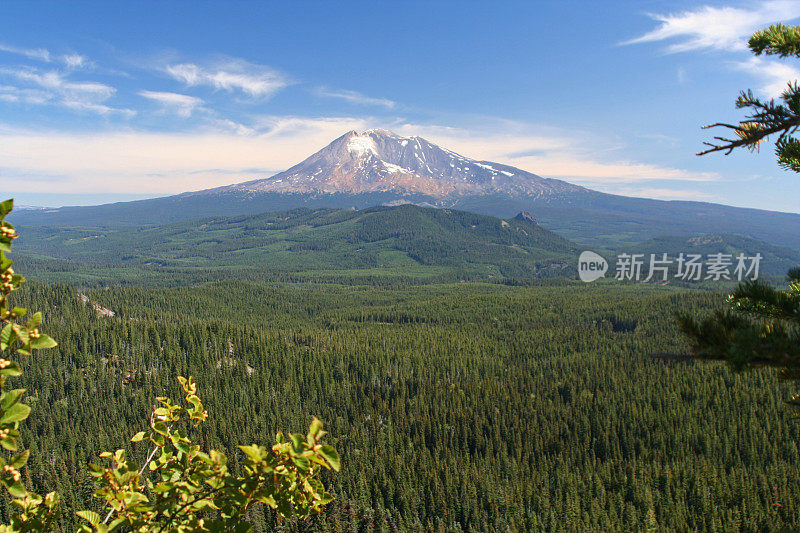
36	513
186	489
190	490
778	40
466	406
761	324
385	240
768	117
760	327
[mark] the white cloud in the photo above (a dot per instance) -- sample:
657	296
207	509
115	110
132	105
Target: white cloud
10	93
72	61
355	97
181	104
665	193
774	76
231	74
165	163
571	157
720	28
76	61
55	88
32	53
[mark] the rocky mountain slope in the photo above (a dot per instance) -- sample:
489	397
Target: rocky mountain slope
377	167
381	161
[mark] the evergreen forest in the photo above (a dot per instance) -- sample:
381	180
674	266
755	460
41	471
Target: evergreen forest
455	407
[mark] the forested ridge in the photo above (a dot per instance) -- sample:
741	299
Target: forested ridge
466	407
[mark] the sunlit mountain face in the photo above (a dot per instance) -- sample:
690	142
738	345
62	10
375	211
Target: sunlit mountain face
381	161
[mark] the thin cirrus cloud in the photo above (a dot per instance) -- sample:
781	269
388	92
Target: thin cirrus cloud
71	61
180	104
556	155
355	97
230	74
774	76
719	28
41	54
726	29
169	162
51	87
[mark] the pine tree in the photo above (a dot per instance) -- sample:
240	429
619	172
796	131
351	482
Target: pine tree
767	117
761	324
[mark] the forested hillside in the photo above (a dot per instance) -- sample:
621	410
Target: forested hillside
462	407
379	245
390	241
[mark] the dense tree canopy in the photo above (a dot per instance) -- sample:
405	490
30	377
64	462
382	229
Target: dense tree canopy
186	489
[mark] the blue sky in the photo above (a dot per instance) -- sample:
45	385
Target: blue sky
110	101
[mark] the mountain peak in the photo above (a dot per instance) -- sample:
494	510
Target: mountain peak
525	217
378	160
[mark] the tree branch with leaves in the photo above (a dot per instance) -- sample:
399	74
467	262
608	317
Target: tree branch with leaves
179	488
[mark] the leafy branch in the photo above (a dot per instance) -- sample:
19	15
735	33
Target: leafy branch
179	487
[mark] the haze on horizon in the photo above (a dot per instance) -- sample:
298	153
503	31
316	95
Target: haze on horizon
117	102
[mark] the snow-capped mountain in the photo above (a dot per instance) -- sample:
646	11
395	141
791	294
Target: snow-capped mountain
377	167
381	161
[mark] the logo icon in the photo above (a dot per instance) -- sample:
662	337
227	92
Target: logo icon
591	266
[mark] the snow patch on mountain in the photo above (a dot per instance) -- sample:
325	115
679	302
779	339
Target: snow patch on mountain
361	145
378	160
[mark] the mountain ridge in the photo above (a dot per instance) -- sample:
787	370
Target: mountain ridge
355	170
405	238
379	160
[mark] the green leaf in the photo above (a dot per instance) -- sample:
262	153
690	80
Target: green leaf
19	461
43	342
17	490
15	413
297	442
6	207
6	337
7	399
115	524
35	320
90	516
301	462
11	370
138	437
314	430
330	455
253	452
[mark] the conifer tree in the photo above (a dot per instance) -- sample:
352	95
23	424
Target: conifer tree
760	325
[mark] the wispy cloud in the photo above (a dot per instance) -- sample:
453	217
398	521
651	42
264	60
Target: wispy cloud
76	61
774	76
10	93
572	156
41	54
53	87
231	74
227	152
71	61
181	104
355	97
720	28
662	193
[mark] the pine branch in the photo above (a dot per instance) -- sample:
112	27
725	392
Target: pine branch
777	40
